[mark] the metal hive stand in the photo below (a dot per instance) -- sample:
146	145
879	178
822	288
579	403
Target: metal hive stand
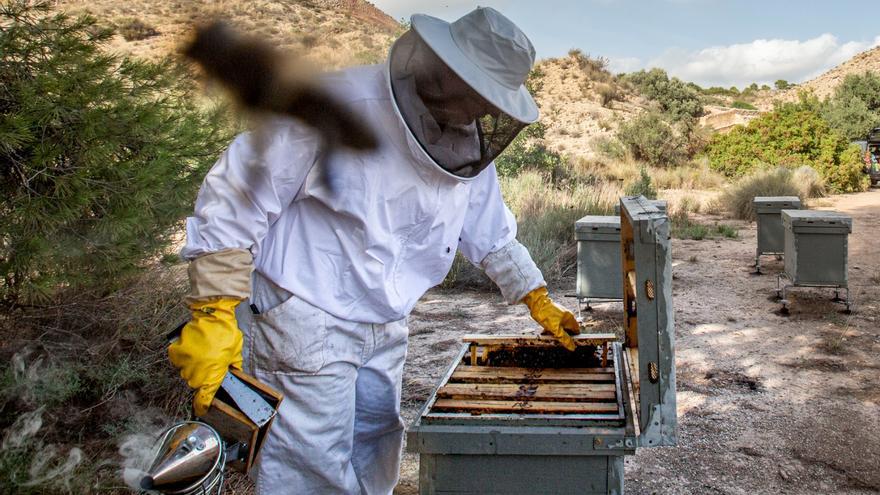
781	290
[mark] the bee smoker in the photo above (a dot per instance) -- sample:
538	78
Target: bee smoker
190	457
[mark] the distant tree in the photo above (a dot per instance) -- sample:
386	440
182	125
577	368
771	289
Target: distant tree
854	108
764	87
100	157
782	84
649	138
850	116
676	99
865	87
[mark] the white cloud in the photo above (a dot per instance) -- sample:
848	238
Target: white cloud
624	64
762	61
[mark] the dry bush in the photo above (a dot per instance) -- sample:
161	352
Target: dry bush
808	180
135	30
693	175
737	199
607	94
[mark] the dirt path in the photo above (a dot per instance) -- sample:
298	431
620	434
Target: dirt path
767	404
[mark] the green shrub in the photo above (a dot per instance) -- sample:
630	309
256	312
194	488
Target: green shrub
650	139
782	84
743	105
101	156
865	87
528	151
854	108
851	117
642	186
675	98
793	134
737	199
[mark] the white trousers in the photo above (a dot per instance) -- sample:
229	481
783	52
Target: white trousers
339	429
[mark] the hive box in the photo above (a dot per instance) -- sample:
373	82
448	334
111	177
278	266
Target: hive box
520	415
816	247
771	237
598	258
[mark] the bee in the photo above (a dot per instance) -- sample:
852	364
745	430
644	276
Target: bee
267	81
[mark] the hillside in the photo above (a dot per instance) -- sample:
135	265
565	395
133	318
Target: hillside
331	33
568	96
825	84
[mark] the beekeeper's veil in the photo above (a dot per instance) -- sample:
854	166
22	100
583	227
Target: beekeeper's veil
460	87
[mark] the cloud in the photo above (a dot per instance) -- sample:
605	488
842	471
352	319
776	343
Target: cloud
624	64
762	61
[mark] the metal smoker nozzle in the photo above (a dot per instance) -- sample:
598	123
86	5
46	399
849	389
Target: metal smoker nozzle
190	457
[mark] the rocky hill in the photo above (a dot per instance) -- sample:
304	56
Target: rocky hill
331	33
824	84
570	93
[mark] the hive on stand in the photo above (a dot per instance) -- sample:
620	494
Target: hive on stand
518	414
598	259
816	252
771	235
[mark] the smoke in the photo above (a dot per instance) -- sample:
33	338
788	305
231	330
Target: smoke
45	464
42	469
137	449
25	427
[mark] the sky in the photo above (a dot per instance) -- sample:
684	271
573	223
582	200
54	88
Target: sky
709	42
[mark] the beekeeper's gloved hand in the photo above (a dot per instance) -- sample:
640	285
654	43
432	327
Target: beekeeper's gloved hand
211	342
208	345
555	319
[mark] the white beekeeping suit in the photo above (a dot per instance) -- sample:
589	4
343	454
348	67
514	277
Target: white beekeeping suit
342	245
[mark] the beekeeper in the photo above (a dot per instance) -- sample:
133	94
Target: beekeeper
334	248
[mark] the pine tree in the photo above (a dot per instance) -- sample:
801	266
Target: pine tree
100	155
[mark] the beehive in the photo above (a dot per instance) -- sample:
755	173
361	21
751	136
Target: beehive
520	415
771	235
598	259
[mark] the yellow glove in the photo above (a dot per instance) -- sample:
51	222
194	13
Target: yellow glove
208	345
555	319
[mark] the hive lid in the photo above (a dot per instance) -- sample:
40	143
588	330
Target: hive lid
661	205
831	220
601	224
765	204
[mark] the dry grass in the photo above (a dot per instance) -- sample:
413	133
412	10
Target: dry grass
737	199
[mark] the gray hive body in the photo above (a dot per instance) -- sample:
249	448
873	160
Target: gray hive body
816	248
771	237
598	257
571	417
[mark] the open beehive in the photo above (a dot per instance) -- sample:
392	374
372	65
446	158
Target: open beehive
499	375
518	414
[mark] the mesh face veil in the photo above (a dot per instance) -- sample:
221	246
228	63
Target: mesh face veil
459	129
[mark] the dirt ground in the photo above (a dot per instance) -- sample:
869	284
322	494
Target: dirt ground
767	403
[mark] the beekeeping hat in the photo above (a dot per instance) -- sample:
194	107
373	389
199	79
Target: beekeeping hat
487	54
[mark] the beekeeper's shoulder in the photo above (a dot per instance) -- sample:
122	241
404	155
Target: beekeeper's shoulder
358	84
